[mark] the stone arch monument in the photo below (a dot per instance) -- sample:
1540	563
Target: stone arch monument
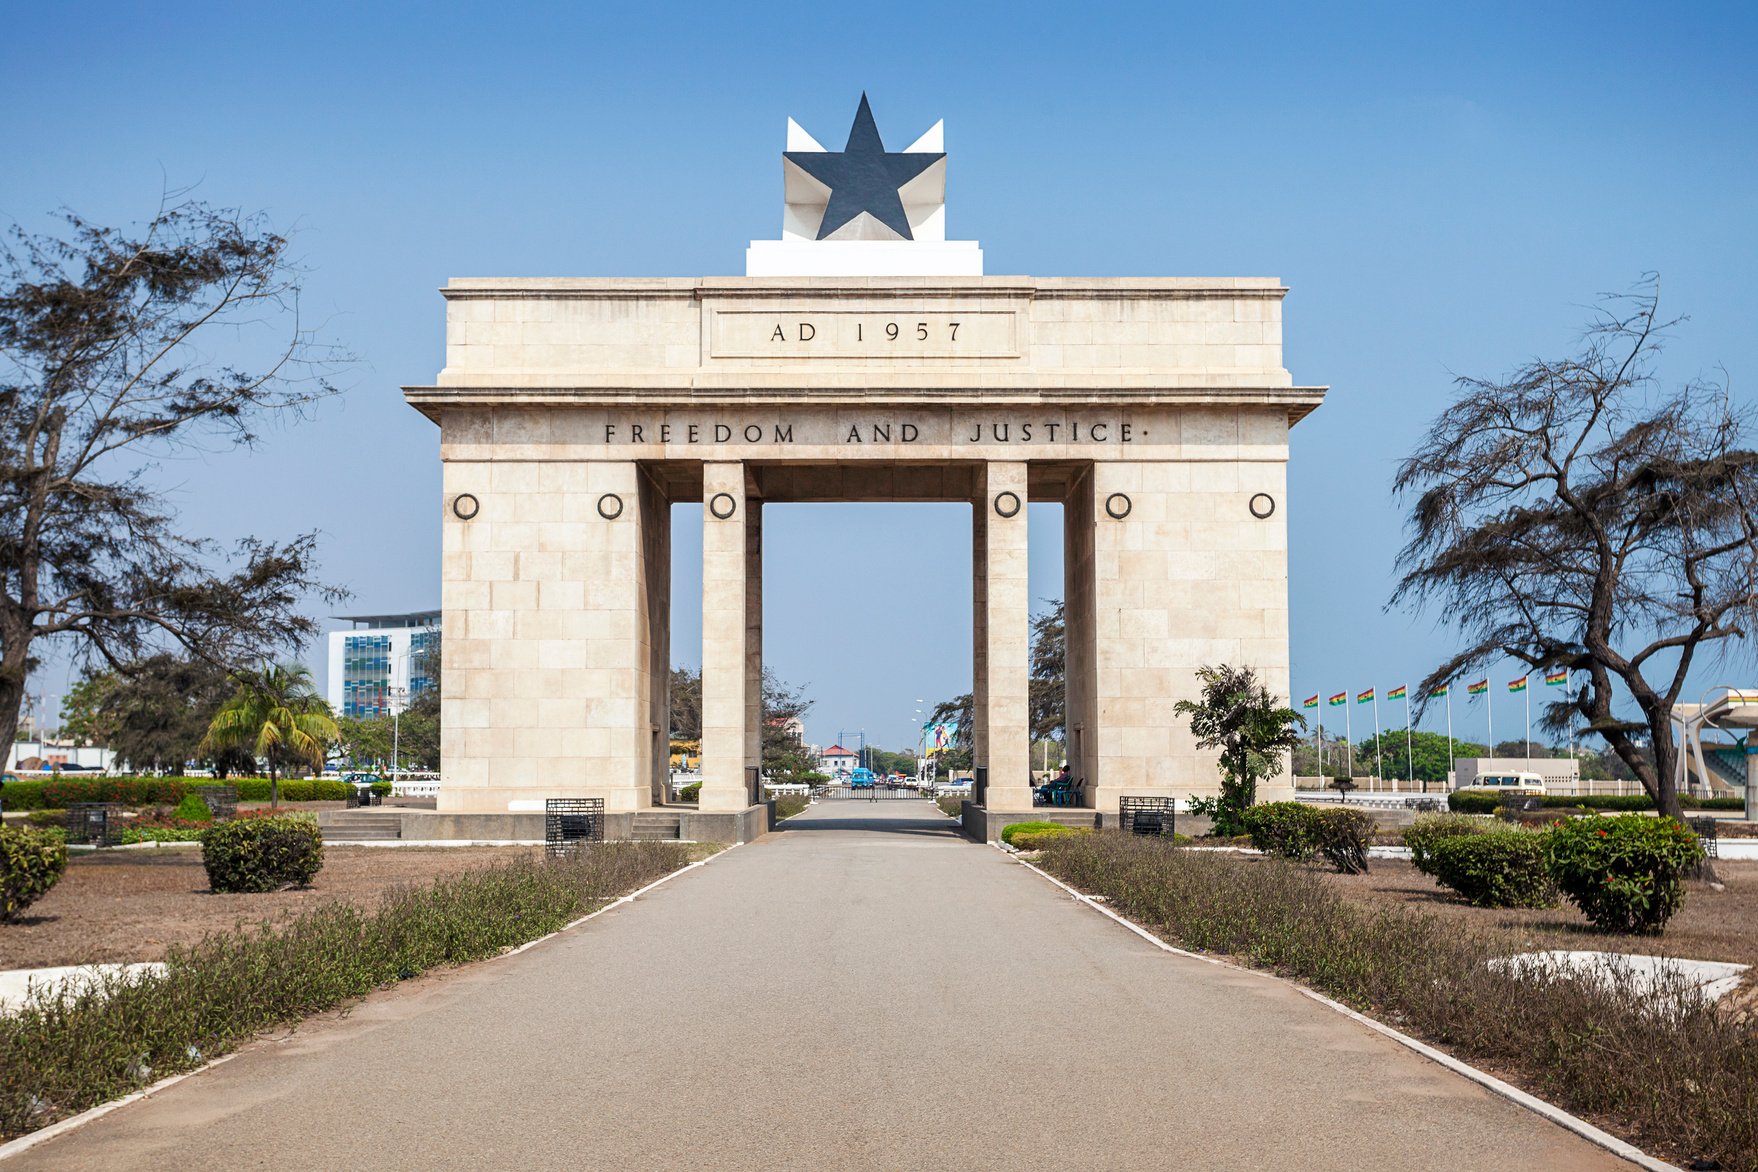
863	357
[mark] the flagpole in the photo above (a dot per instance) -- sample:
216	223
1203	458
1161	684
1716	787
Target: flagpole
1528	690
1569	699
1379	756
1451	768
1348	737
1321	740
1489	714
1409	752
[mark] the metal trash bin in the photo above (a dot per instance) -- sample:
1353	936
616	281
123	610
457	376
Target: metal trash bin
570	822
1154	816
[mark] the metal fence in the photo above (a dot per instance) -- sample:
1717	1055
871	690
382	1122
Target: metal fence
1707	833
867	793
570	822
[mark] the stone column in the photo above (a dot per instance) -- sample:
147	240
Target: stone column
548	591
1188	577
726	563
753	630
1080	519
1001	688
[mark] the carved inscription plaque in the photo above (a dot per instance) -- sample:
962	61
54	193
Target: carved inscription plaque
906	336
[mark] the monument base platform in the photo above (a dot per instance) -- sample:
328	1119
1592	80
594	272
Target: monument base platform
694	825
986	825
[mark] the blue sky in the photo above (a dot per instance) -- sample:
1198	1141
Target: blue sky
1443	189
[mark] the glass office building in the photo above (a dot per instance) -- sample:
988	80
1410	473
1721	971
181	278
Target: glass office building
382	663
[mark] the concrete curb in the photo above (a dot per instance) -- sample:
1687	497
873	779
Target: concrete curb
73	1122
1489	1082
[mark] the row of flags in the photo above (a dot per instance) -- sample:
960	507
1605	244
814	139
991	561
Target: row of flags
1552	679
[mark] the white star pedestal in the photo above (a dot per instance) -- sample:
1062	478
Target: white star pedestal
864	247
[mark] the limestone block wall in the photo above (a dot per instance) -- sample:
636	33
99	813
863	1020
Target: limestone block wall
547	644
1190	577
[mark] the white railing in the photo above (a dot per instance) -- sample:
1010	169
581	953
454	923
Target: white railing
414	787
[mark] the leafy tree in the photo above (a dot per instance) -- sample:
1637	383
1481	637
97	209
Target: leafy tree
686	704
83	719
784	756
960	713
153	713
106	338
1251	727
1575	515
278	716
1049	673
1430	750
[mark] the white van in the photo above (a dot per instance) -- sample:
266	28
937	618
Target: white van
1505	783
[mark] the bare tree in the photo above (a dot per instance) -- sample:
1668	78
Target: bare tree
1575	515
106	344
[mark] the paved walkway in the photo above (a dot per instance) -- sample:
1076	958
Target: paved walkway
864	989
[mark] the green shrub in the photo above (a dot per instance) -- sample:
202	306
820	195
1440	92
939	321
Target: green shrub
22	795
1342	836
1429	829
381	789
1499	868
192	809
1625	873
1037	840
691	792
1691	803
1600	801
1288	829
31	862
262	854
1008	832
787	805
1460	802
158	830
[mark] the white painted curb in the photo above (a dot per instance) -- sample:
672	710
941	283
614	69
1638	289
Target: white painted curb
73	1122
1513	1094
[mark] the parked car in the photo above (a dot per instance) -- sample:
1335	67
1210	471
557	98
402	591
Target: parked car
1505	783
862	779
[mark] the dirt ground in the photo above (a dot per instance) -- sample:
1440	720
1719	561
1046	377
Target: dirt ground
1712	925
130	905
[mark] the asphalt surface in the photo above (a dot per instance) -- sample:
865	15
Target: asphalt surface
862	989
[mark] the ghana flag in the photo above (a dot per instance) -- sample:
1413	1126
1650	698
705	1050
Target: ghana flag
1518	685
1364	697
1557	678
1310	701
1339	699
1439	692
1479	688
1396	693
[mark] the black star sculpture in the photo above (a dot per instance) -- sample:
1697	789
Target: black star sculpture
863	176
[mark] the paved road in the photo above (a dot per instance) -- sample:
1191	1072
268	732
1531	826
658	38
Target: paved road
861	990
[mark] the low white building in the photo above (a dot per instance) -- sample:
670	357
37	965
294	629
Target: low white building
31	756
381	663
837	759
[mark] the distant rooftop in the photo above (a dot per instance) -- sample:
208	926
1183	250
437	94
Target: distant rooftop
378	622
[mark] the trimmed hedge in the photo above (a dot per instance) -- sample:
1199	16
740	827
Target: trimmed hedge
1286	829
1626	874
1500	868
1009	832
262	854
1485	803
192	809
31	862
1037	840
57	794
1430	829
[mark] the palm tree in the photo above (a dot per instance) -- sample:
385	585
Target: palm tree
277	716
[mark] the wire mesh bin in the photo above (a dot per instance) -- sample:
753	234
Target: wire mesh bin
222	800
568	822
1705	830
94	823
1147	815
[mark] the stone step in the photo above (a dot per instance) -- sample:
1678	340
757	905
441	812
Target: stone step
360	825
656	825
